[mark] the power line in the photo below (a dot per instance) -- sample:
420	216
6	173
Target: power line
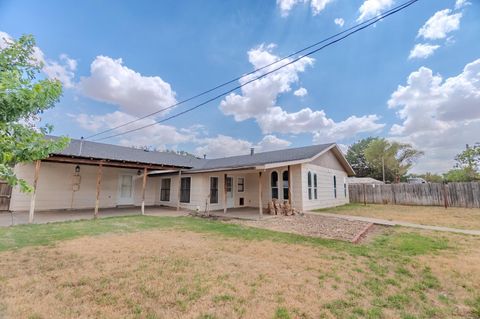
247	74
356	28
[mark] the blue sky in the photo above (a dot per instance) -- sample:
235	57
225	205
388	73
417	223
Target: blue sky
170	50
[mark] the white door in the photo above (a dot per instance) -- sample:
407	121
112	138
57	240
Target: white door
229	187
125	190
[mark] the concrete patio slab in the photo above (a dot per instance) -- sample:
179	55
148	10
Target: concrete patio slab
43	217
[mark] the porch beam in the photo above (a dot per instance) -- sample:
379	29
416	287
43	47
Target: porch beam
289	185
34	193
225	193
108	163
144	184
260	204
179	189
99	183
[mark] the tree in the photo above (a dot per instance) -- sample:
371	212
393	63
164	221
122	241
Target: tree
396	158
22	99
469	161
356	157
458	175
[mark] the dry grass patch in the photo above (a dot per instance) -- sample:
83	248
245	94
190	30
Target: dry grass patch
466	218
217	270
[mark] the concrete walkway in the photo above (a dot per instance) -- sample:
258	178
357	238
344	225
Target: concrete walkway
43	217
386	222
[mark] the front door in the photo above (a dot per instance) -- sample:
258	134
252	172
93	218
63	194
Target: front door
229	188
125	190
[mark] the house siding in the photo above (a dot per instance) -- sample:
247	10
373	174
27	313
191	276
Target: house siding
55	187
326	167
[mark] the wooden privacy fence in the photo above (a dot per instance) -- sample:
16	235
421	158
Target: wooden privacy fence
430	194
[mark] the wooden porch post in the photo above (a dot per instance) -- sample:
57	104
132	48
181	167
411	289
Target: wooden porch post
144	184
99	182
225	193
34	194
179	189
260	205
289	185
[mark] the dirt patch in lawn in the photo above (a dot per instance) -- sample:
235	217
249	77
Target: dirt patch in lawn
455	217
311	225
184	274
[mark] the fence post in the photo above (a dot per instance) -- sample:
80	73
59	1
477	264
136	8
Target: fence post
445	200
364	196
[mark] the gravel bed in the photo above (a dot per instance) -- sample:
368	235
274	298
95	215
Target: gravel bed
310	225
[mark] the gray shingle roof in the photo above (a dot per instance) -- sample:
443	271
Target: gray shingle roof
122	153
285	155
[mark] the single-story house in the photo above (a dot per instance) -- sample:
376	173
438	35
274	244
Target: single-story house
96	175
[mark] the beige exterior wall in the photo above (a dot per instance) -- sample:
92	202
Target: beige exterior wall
55	187
325	166
200	189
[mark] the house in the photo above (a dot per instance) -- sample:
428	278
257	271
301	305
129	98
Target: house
96	175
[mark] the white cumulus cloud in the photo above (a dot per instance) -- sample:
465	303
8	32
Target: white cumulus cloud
112	82
259	101
372	8
317	6
438	116
423	50
440	24
461	3
339	21
222	146
300	92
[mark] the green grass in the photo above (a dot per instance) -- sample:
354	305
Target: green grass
396	244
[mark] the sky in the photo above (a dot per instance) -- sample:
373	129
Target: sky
413	77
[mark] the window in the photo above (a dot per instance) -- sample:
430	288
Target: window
185	189
335	186
165	190
309	185
213	190
240	184
274	184
344	187
315	193
285	185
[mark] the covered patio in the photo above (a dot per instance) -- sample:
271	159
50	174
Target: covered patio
43	217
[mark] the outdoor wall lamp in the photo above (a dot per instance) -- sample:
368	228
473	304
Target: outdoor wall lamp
77	169
139	172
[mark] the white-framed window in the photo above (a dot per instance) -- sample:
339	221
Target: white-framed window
165	189
240	184
213	190
309	185
334	186
285	184
315	186
274	184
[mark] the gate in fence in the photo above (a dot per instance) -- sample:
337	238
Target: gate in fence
430	194
5	195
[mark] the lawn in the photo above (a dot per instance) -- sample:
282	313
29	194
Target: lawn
466	218
160	267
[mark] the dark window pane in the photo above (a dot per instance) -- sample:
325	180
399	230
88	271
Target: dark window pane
275	193
165	190
241	184
309	193
314	180
213	190
185	190
309	179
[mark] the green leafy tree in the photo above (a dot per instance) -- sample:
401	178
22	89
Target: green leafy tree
469	161
397	158
356	157
458	175
23	98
